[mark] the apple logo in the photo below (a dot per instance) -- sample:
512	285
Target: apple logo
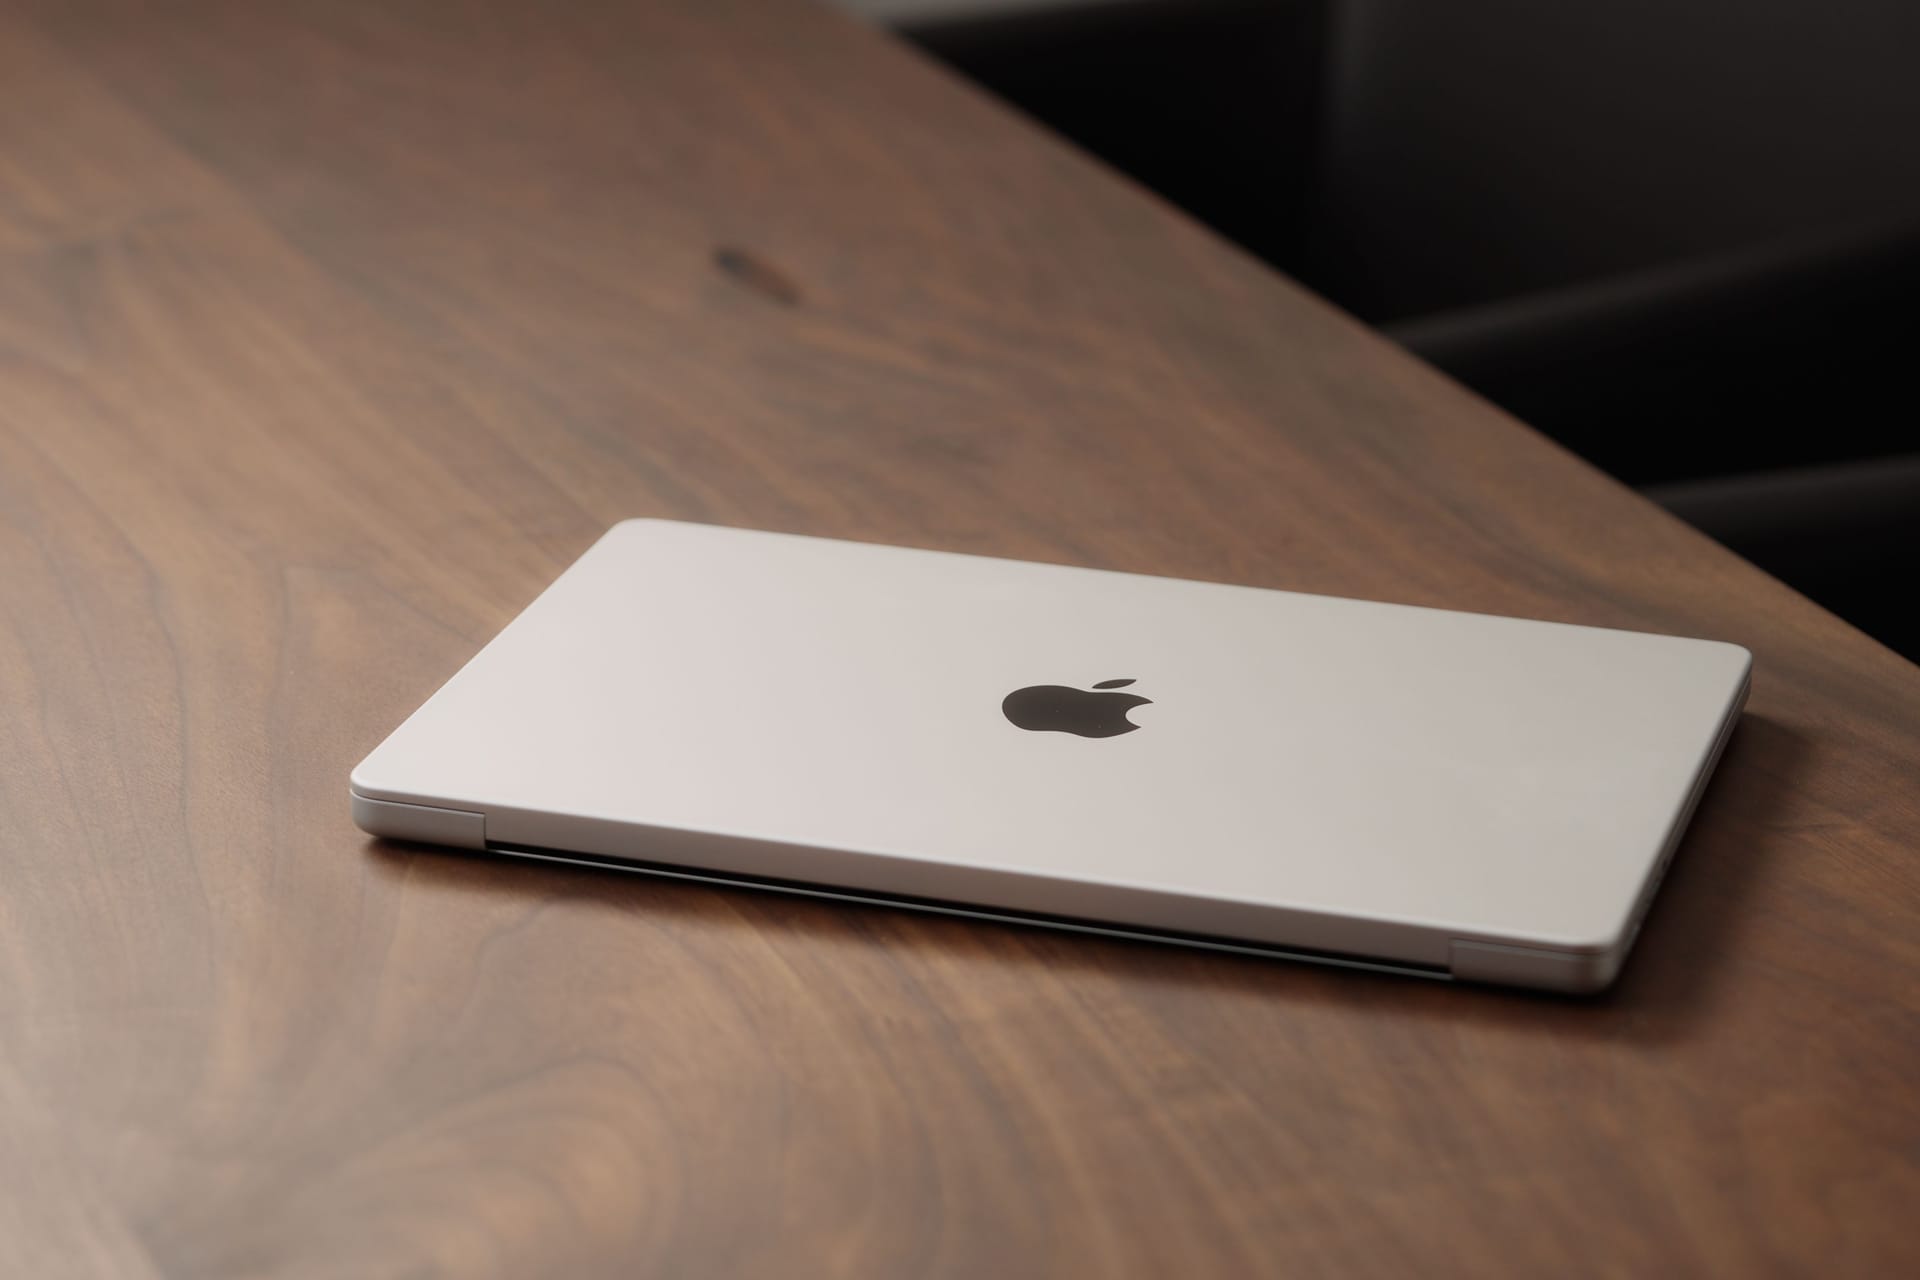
1059	709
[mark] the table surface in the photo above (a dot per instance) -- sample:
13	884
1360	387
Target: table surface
330	331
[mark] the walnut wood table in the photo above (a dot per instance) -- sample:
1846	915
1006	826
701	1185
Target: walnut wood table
330	332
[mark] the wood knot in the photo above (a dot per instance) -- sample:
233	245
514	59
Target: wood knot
757	274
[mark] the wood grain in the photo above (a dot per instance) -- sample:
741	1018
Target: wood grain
331	331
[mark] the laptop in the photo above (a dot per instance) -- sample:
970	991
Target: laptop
1436	793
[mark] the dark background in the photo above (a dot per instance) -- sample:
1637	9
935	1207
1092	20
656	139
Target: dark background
1680	236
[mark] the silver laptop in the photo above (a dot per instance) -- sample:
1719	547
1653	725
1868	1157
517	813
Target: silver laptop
1438	793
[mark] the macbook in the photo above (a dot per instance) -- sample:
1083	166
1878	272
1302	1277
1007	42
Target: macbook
1445	794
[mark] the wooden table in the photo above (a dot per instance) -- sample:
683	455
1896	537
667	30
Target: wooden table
330	332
